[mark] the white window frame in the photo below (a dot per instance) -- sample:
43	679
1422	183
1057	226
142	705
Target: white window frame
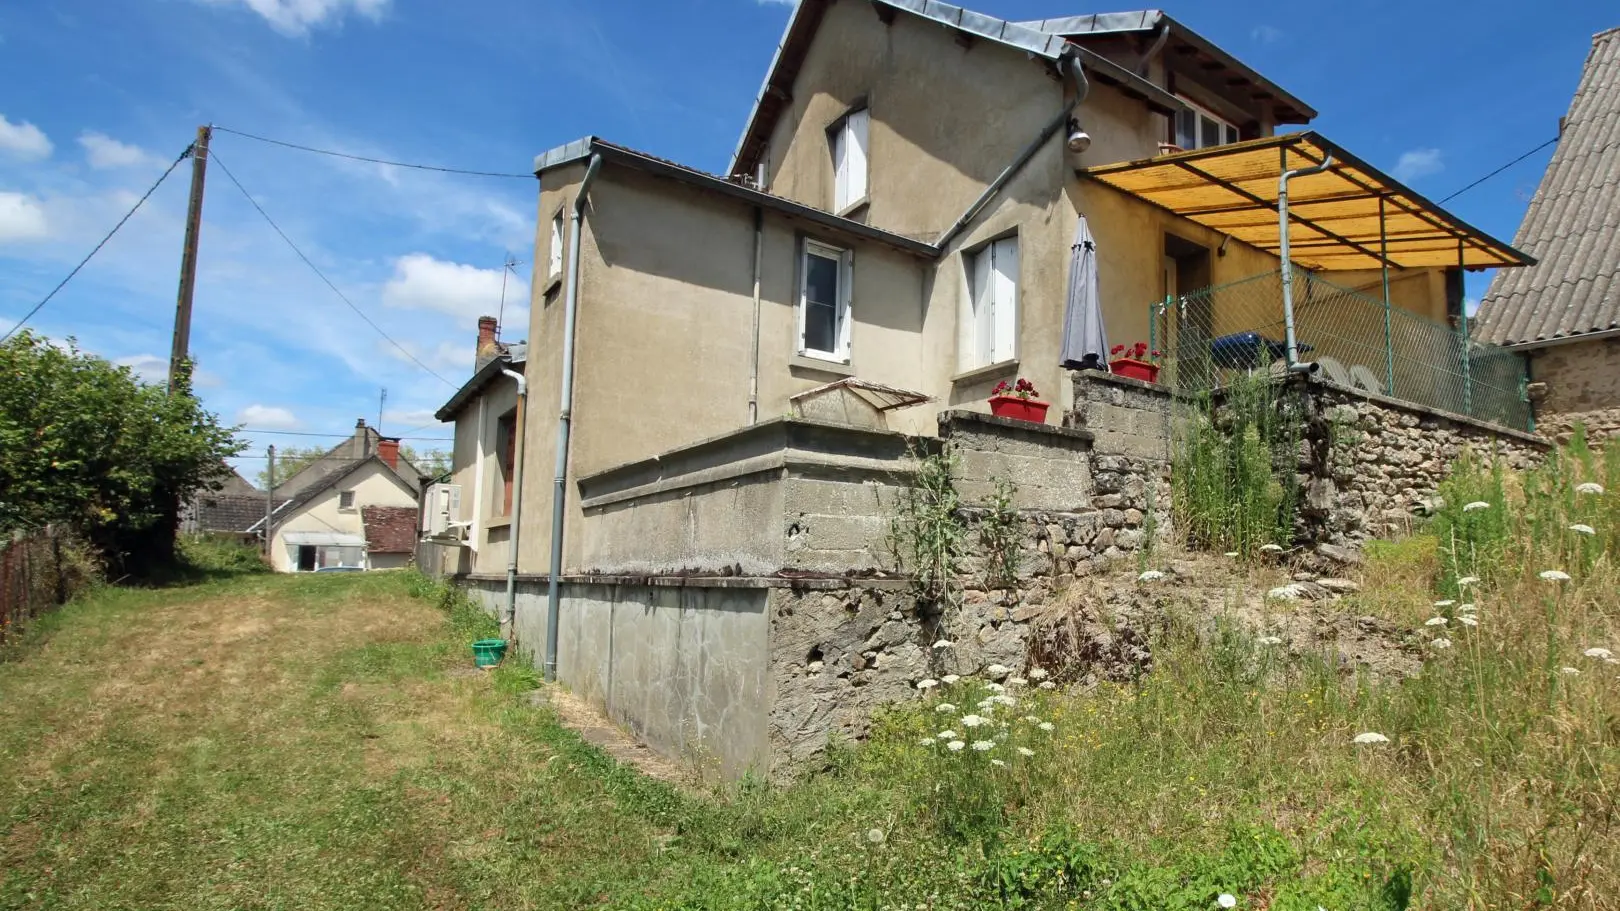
349	495
989	322
851	139
1228	130
554	258
844	313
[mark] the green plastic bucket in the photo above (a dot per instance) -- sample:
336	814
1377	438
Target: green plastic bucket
489	652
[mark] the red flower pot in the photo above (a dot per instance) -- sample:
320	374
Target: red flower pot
1011	406
1146	371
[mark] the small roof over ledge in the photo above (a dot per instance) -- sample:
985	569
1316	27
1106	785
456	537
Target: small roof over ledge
1352	216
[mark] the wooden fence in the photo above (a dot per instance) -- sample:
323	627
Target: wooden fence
39	571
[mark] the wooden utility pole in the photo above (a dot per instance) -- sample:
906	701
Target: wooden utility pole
188	256
269	496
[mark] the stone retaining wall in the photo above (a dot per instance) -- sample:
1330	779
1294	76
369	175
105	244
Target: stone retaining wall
1581	381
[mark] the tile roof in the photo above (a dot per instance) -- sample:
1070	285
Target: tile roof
1571	226
389	529
234	513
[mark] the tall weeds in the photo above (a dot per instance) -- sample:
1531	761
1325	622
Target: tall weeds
1234	482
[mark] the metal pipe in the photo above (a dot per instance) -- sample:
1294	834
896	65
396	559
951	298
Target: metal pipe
1389	340
509	615
753	360
478	479
1153	51
1082	88
565	414
1287	259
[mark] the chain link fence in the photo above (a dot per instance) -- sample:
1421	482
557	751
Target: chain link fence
1358	341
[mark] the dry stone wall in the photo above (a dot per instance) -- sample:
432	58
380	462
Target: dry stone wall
1582	386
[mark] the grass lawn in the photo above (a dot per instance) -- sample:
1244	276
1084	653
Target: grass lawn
261	742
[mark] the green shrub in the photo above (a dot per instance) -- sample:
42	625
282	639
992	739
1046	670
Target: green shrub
212	555
1234	483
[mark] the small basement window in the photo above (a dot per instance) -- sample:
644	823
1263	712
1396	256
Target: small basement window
824	301
1198	128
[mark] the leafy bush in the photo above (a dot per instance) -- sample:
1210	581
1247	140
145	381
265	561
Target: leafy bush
209	554
1234	483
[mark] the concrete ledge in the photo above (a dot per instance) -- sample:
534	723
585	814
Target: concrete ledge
966	420
802	583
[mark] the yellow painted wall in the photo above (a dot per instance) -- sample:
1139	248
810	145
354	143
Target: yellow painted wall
372	486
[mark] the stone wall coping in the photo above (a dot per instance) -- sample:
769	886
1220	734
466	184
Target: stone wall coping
972	420
802	583
784	463
834	443
1403	405
1098	376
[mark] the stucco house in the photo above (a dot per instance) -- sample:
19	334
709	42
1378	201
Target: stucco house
894	236
346	509
1564	312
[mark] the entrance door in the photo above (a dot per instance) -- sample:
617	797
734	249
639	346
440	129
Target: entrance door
1186	272
306	558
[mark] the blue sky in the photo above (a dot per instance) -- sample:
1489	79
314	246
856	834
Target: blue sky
100	95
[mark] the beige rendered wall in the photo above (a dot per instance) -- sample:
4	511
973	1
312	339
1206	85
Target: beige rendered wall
489	532
372	485
1583	387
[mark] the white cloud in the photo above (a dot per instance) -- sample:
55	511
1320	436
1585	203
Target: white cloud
1418	163
267	417
421	282
297	17
23	140
149	367
21	218
103	151
1266	34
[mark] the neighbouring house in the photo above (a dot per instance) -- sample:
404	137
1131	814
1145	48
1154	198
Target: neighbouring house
355	508
737	370
1564	312
231	511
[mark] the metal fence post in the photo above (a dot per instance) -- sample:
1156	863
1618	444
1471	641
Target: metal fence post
1389	340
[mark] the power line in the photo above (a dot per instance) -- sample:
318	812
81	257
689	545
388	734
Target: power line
1499	170
59	285
316	269
310	433
397	164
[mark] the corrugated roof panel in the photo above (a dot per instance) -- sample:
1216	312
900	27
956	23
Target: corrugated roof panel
1571	223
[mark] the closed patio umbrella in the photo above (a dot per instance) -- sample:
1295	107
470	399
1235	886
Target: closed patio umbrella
1085	342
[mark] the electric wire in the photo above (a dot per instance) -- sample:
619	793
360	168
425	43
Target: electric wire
1499	170
61	284
316	269
311	433
382	161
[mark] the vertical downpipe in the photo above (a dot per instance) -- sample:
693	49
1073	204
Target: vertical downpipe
1389	340
1462	317
1286	254
565	415
519	427
753	361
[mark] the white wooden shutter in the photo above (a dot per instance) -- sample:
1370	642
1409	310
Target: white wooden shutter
841	167
846	301
804	289
1004	282
556	258
983	294
856	127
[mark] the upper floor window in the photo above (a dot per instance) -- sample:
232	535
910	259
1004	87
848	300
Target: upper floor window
992	323
555	259
825	275
1197	128
345	499
849	145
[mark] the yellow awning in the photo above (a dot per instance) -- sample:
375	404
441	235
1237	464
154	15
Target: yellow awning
1351	216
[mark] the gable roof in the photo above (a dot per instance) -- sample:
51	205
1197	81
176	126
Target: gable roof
1046	38
303	497
341	457
1571	225
228	512
480	380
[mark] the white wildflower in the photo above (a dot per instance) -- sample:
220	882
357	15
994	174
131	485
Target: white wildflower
1435	621
1032	719
996	670
1554	575
1270	640
1466	581
1036	673
1151	575
995	688
955	746
947	735
973	721
875	836
927	684
1466	620
987	702
1598	652
1442	642
1476	506
1007	701
926	742
1582	529
944	707
1016	681
1467	608
1569	671
1370	737
1445	603
1025	752
949	679
944	643
1272	548
1231	553
1225	900
983	745
1589	487
998	763
1047	726
1048	685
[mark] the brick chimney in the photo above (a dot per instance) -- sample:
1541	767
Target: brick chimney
388	448
487	346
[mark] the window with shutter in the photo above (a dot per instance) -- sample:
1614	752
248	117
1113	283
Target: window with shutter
506	446
850	142
555	260
825	282
992	320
